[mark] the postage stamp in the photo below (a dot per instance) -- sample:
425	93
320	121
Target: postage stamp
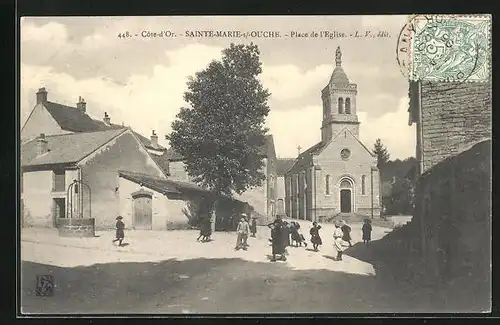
452	48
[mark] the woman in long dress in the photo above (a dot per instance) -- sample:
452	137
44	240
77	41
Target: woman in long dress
337	241
278	247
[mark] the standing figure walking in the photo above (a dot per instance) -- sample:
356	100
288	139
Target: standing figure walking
337	241
120	233
253	227
277	239
242	233
346	230
315	237
367	231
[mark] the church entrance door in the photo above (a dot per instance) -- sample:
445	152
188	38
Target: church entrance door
345	201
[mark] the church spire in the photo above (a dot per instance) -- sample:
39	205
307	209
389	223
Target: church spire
338	57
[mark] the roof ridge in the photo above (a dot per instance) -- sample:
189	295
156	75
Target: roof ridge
76	133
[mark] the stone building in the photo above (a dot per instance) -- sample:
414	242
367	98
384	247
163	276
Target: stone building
452	220
339	174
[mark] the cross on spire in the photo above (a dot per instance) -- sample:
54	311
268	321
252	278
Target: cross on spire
298	148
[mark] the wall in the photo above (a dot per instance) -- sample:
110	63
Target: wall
37	198
40	121
100	172
463	110
166	211
280	188
453	213
360	163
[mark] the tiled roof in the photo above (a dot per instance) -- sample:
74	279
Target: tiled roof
66	148
159	184
162	161
72	119
339	77
283	165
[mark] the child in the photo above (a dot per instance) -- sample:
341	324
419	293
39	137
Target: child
346	230
253	227
315	237
242	232
120	234
367	231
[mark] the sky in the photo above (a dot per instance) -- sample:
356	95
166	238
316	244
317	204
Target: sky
140	81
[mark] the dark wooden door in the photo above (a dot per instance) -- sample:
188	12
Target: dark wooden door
143	213
345	201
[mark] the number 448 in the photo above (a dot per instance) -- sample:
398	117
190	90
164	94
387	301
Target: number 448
124	35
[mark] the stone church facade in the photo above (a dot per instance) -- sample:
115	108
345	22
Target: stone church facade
338	175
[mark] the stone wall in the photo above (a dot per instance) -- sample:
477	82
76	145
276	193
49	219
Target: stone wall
453	216
76	227
463	110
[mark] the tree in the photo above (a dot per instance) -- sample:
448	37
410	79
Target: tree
382	154
222	133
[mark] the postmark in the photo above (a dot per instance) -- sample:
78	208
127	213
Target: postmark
450	48
44	285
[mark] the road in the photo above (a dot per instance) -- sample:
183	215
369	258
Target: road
169	272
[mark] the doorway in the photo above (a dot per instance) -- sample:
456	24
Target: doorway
143	210
59	209
345	201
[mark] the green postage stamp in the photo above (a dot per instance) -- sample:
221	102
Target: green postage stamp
453	48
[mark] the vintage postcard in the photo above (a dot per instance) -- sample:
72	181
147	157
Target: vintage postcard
255	164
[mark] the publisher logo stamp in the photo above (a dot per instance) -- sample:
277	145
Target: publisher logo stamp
44	285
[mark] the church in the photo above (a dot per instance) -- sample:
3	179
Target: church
337	176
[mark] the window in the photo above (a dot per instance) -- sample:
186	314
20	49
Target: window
363	185
59	177
345	154
341	105
345	184
327	184
348	106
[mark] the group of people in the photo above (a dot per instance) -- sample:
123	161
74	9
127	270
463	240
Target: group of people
282	232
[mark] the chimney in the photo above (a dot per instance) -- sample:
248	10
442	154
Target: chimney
106	119
81	105
154	139
41	96
42	144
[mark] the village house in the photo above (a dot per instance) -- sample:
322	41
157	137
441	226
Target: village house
127	173
261	199
452	219
282	166
338	175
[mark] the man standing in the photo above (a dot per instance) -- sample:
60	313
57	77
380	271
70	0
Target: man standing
242	233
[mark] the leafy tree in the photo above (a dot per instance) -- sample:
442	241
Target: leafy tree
382	154
221	134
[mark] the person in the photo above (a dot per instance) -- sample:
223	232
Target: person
120	233
286	234
242	233
315	237
337	241
277	239
346	230
253	227
367	231
297	237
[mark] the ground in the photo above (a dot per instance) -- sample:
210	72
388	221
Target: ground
169	272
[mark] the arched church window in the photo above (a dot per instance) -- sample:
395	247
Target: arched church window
341	105
348	106
363	185
327	184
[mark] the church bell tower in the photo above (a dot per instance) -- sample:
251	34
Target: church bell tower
339	103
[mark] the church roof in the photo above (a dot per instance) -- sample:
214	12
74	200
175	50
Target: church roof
339	77
283	165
